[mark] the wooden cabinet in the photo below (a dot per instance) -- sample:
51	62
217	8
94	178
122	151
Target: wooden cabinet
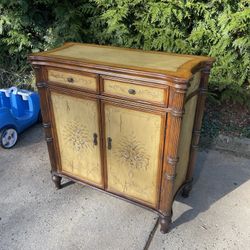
124	121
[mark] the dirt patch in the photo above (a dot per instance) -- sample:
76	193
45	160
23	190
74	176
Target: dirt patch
226	119
226	127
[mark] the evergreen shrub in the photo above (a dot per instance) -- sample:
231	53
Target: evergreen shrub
218	28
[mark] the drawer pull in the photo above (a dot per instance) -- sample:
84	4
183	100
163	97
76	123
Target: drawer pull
70	79
95	138
109	143
131	91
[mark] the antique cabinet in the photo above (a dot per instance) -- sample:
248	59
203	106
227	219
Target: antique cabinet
123	121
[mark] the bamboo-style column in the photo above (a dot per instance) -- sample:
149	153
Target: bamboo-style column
176	104
197	128
42	89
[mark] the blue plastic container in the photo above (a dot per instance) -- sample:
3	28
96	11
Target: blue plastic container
19	109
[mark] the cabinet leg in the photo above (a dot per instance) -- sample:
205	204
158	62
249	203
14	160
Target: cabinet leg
57	180
187	188
165	222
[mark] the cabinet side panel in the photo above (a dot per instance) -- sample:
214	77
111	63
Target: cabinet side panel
133	163
186	134
76	122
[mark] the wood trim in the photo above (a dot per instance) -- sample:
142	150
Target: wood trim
161	157
102	154
133	81
145	203
69	44
185	71
53	128
176	103
194	93
137	107
100	69
80	180
107	98
77	180
104	146
45	111
134	104
126	75
198	120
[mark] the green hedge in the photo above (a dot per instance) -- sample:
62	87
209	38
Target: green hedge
219	28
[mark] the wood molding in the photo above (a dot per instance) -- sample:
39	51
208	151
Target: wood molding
45	111
172	142
198	120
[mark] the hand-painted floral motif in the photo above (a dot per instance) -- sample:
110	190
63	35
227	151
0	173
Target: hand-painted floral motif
131	153
76	135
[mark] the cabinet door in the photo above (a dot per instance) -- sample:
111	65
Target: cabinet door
76	124
133	150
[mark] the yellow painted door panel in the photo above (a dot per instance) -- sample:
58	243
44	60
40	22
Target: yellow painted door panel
133	148
76	121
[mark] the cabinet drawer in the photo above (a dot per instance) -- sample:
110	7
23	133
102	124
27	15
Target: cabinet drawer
134	91
73	79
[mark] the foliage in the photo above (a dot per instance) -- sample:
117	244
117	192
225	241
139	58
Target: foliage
218	28
215	28
29	26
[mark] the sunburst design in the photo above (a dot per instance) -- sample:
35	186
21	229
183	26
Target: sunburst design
131	153
76	135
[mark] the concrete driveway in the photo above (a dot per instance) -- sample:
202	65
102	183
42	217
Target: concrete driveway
33	215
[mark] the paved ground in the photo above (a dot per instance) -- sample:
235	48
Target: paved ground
35	216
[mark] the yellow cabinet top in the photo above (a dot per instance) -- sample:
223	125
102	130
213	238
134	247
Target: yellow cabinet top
135	59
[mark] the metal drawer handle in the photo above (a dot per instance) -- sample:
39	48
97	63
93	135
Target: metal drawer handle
70	79
109	143
95	139
131	91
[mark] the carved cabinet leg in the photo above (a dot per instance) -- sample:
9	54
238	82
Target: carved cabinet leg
187	188
165	222
57	180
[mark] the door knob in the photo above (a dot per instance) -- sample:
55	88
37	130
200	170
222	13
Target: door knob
70	79
109	143
131	91
95	138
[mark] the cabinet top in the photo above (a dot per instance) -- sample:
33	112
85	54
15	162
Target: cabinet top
115	58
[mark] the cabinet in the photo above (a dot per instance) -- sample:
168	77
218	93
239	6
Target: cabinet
123	121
